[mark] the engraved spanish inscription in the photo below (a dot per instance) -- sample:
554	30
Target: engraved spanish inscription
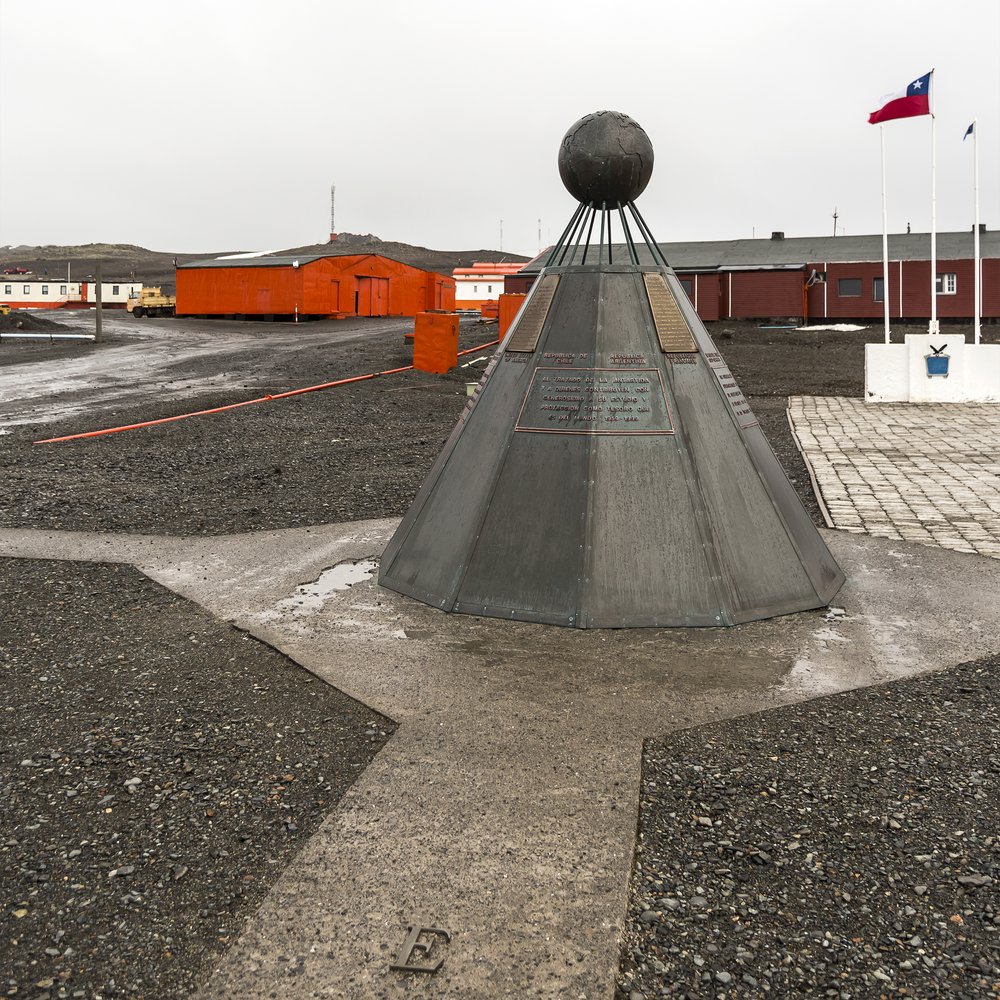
734	396
595	401
564	358
628	360
671	327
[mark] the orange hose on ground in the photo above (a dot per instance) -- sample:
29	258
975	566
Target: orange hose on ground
247	402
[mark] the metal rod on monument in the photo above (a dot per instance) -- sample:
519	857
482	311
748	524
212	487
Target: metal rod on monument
555	249
577	237
647	235
578	242
559	251
600	245
885	240
98	333
590	232
611	240
574	236
572	229
628	236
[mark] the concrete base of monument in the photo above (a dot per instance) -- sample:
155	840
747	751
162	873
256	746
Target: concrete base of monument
932	368
503	811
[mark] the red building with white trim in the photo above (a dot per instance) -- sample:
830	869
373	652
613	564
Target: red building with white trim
817	279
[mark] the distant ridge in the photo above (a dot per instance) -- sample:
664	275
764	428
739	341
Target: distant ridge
125	261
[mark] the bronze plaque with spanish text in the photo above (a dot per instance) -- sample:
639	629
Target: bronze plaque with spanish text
595	401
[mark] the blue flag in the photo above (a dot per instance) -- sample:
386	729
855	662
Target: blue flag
969	131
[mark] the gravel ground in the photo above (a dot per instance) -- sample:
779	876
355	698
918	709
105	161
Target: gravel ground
30	322
847	847
358	451
158	770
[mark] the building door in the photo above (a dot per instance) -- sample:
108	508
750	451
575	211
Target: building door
373	296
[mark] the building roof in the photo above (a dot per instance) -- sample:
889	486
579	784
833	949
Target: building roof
728	255
271	260
487	270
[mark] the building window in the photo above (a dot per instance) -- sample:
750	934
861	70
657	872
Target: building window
489	289
946	284
7	289
878	291
114	289
62	289
475	289
27	289
688	285
45	289
848	288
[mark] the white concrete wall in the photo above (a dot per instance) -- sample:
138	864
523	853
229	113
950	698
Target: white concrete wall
897	373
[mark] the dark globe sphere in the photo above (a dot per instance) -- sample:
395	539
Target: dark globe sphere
606	158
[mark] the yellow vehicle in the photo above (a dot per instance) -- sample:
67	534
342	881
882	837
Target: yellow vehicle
4	309
151	302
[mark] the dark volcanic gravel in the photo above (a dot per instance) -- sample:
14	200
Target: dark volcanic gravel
847	847
158	770
350	453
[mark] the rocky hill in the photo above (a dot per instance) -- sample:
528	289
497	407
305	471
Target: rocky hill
125	262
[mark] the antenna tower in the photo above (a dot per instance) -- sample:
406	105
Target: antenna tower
333	225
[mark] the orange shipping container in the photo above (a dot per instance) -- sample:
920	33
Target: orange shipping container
510	305
435	342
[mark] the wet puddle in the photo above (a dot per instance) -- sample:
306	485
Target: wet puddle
312	596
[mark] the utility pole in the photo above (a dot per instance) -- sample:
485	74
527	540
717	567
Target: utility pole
98	336
835	217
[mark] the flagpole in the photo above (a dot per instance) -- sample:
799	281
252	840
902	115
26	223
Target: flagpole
885	240
975	230
934	326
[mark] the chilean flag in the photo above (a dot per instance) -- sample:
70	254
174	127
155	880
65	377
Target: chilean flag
914	100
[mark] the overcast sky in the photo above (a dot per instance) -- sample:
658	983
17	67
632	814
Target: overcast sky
203	125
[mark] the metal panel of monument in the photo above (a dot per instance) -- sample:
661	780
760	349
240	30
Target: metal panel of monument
608	472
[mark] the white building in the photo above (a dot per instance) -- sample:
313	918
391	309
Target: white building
21	291
481	283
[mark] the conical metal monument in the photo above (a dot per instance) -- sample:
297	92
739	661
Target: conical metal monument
608	471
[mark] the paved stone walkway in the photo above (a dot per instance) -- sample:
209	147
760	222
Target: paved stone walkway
927	473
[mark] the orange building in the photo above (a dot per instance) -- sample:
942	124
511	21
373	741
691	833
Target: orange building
310	285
